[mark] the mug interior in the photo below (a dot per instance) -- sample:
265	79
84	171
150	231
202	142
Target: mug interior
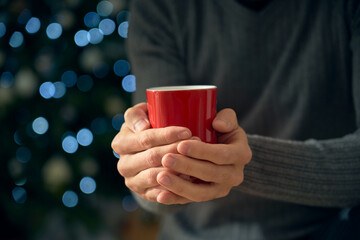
182	88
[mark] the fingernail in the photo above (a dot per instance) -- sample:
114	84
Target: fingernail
165	180
184	135
140	125
169	162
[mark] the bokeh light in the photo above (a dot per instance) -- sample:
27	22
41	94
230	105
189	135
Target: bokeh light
40	125
54	30
60	89
70	144
6	80
81	38
129	204
85	83
33	25
69	78
2	29
116	155
107	26
117	121
23	154
21	182
16	39
129	83
70	199
84	137
87	185
104	8
92	19
19	194
121	68
123	29
18	139
47	90
95	36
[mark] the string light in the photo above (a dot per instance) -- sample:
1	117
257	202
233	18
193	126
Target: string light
23	154
104	8
70	199
123	29
70	144
84	137
87	185
81	38
33	25
16	39
47	90
95	36
129	83
121	68
60	89
92	19
54	31
2	29
69	78
19	194
107	26
40	125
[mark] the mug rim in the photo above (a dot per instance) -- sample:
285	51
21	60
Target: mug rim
182	88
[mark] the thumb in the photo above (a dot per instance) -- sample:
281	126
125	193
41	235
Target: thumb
136	117
225	121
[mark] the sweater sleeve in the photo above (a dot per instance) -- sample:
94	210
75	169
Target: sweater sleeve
322	173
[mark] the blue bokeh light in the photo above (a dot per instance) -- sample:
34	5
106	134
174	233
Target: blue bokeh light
16	39
60	89
129	83
99	126
107	26
123	29
85	83
19	194
69	78
2	29
129	204
84	137
33	25
40	125
70	199
104	8
121	68
23	154
17	138
6	80
81	38
92	19
95	36
117	121
116	155
21	182
87	185
54	30
70	144
47	90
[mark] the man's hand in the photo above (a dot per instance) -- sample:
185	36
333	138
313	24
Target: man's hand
141	149
219	167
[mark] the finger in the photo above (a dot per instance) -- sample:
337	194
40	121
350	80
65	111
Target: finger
225	121
203	170
126	143
167	197
191	191
132	164
221	154
136	117
143	180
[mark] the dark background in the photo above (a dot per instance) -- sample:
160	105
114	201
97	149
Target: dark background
71	86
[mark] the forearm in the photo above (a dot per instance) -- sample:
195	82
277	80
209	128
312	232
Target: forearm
317	173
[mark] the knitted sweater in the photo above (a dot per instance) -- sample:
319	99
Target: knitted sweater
291	71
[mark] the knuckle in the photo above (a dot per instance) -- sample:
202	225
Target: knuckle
151	158
144	141
122	168
151	177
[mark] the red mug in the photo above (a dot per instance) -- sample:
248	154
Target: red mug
192	106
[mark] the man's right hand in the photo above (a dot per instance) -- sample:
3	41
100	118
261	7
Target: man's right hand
141	149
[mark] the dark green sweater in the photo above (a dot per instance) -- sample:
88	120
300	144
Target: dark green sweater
291	71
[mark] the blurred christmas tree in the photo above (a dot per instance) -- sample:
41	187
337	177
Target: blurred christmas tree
64	86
